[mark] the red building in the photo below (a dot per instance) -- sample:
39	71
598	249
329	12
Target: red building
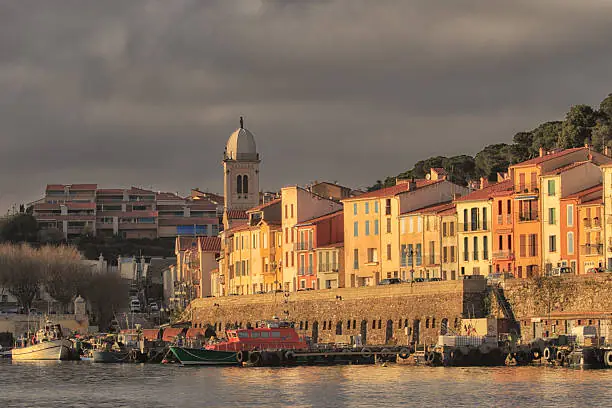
320	252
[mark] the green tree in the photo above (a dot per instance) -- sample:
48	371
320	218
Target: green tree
601	135
19	228
545	136
605	107
520	150
576	128
492	160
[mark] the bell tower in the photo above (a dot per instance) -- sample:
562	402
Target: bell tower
241	170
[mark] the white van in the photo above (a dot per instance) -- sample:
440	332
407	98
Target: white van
563	270
135	306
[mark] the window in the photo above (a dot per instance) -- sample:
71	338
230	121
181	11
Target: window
367	228
432	252
552	243
419	224
367	207
533	245
355	209
355	229
389	225
265	240
500	245
286	212
509	242
239	184
419	255
465	219
475	248
291	210
485	247
523	245
375	227
403	255
388	252
444	229
474	219
410	225
355	259
310	262
570	215
388	206
402	225
376	207
452	228
551	187
509	207
410	253
445	254
551	215
372	255
499	208
570	242
245	184
452	254
484	218
466	256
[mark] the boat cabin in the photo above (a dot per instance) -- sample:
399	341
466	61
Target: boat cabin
268	335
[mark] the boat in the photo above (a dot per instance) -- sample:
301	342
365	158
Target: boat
110	356
47	344
5	352
234	350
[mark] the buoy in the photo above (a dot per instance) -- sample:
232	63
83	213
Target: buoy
404	353
608	358
367	353
547	353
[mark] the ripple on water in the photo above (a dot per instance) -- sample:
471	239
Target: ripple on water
83	384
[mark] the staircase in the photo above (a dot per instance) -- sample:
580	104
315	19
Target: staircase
506	309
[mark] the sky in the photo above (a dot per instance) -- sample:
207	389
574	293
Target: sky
146	93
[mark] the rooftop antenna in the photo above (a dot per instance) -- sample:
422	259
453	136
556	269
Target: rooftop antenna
241	122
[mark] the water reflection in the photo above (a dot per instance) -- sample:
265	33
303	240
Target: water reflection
83	384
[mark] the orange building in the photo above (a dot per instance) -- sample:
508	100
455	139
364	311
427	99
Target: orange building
503	231
527	203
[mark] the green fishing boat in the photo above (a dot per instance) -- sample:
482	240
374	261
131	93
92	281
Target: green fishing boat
193	356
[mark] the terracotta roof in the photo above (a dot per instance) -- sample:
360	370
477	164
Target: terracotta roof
433	209
193	333
565	168
546	157
240	227
70	205
167	196
450	211
262	206
150	334
586	191
237	214
594	201
392	191
315	220
210	244
75	187
487	192
109	191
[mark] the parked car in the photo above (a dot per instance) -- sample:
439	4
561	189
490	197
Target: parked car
390	281
596	270
435	280
562	270
135	306
417	280
153	307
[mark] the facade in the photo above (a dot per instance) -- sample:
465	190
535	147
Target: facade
427	241
319	249
79	209
607	199
503	231
371	226
474	240
590	234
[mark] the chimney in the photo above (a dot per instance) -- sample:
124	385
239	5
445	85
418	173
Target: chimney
483	183
606	151
541	151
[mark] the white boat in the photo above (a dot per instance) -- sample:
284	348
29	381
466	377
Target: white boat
47	344
47	350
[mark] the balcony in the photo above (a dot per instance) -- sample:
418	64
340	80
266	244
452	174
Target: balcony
504	254
591	223
591	249
527	188
329	267
474	227
504	219
528	216
305	270
303	246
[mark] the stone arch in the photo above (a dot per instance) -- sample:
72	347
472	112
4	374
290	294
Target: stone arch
364	331
444	326
245	184
239	184
389	331
315	332
416	331
339	328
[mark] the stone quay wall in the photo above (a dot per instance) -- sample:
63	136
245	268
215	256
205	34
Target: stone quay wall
554	305
393	314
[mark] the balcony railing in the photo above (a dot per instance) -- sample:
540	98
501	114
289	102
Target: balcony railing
591	249
472	226
528	216
591	222
527	188
504	254
305	270
504	219
303	246
329	267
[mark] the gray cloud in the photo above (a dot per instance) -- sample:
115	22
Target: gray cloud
147	92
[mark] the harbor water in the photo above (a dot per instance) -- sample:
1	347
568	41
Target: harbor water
84	384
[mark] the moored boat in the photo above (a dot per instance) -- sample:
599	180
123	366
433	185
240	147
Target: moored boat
192	356
47	344
110	356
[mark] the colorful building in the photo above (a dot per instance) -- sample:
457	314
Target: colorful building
502	223
607	199
319	247
591	233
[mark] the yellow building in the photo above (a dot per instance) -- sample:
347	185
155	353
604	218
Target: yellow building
607	199
372	227
422	248
450	257
474	235
591	235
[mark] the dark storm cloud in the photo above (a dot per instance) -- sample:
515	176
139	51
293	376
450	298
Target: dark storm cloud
147	92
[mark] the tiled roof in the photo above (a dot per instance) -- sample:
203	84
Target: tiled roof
433	209
450	211
487	192
109	191
315	220
75	187
546	157
210	244
560	170
586	191
69	205
594	201
167	196
393	190
262	206
237	214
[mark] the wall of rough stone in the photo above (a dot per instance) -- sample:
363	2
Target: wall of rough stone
380	312
556	304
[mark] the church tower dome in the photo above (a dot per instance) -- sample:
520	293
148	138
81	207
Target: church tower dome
241	145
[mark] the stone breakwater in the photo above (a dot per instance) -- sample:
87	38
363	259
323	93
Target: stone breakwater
381	314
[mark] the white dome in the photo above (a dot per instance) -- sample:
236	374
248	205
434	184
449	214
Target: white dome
241	145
